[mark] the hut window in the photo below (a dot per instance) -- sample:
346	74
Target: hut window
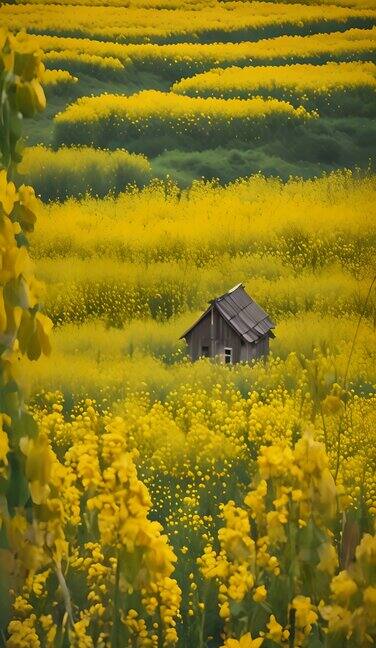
205	351
228	355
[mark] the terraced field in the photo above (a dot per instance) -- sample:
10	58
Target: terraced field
123	49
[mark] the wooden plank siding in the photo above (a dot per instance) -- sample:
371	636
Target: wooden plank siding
222	336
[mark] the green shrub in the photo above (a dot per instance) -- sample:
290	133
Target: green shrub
81	170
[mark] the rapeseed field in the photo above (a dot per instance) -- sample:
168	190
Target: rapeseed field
153	154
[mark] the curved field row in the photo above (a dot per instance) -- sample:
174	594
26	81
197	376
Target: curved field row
192	5
55	175
57	78
360	4
239	22
182	59
106	67
352	86
166	116
243	82
146	4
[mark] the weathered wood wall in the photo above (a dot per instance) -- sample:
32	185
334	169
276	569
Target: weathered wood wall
222	336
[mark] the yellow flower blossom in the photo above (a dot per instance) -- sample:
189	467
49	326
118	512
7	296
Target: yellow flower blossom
275	528
328	558
245	641
343	587
305	616
369	598
260	594
39	462
274	461
276	631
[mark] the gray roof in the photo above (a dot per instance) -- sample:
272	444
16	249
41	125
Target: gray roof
242	313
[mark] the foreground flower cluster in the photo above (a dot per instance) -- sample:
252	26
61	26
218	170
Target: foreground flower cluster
277	555
92	567
246	565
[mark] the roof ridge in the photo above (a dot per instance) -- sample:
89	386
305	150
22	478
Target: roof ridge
246	324
228	293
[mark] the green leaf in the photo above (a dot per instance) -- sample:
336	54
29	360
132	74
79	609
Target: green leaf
24	216
10	399
18	488
4	542
21	240
25	425
237	608
315	639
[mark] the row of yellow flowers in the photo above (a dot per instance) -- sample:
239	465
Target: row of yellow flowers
146	4
186	58
165	107
82	61
160	115
194	5
299	78
57	77
139	24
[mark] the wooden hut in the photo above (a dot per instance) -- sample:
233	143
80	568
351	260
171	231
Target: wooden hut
233	328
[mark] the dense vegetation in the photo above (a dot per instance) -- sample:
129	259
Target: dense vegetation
56	175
